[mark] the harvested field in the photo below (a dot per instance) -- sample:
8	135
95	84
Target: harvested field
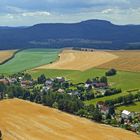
4	55
126	61
22	120
80	60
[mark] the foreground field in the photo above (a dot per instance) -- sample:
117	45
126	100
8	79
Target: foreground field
28	121
4	55
126	61
80	60
28	59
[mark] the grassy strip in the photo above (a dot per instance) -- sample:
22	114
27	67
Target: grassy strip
132	107
94	101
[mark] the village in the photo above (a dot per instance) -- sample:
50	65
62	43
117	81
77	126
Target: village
22	86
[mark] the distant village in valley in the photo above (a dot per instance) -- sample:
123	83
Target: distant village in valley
62	94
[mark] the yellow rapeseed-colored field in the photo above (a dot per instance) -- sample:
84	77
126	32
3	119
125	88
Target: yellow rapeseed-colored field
80	60
4	55
22	120
126	61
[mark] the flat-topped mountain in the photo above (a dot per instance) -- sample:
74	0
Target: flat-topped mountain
98	34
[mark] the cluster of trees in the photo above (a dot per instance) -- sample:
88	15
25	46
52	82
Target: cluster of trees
111	72
113	91
11	91
124	100
63	102
41	79
90	112
102	79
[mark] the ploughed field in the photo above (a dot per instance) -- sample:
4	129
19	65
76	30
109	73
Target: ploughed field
4	55
29	121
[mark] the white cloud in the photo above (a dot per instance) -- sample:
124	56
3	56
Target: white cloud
107	11
36	13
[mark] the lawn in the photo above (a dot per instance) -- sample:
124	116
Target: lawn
133	107
94	101
28	59
52	73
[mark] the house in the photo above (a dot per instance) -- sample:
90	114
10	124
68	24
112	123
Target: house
88	85
46	89
126	114
100	85
49	82
70	93
4	81
60	90
12	80
60	79
103	107
26	83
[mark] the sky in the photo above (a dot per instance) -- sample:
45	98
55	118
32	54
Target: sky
30	12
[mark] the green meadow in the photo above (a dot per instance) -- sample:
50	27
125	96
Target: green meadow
123	80
132	107
28	59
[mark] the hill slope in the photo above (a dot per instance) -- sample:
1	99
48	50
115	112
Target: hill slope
24	120
91	33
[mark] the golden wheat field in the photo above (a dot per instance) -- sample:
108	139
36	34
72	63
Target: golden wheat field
22	120
4	55
126	61
80	60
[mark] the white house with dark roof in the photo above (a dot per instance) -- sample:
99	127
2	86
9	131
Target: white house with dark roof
126	114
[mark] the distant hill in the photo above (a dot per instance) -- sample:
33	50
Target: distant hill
98	34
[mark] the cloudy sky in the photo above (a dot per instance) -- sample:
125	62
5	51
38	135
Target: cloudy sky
29	12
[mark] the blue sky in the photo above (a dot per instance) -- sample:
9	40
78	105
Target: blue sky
29	12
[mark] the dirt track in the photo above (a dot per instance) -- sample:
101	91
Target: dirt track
21	120
80	60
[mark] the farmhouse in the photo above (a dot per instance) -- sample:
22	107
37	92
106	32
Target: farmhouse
100	85
49	82
126	114
61	90
103	107
60	79
26	83
4	81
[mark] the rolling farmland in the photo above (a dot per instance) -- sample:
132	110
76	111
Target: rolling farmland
80	60
26	120
126	61
4	55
